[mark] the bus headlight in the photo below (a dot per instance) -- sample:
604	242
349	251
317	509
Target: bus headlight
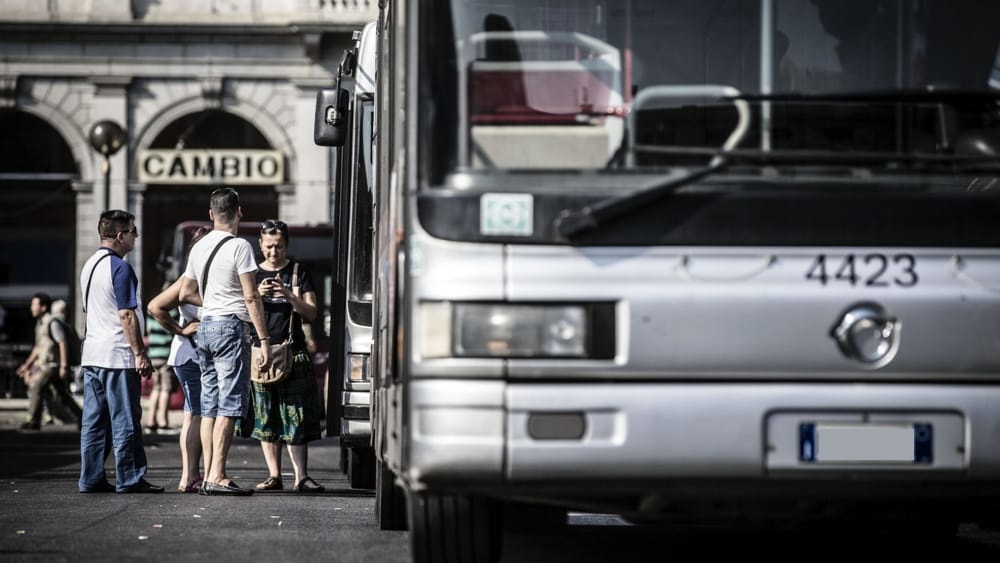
358	368
505	330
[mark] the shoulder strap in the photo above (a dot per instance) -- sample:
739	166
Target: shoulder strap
204	274
295	290
86	295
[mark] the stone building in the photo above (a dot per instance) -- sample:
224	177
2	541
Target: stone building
206	92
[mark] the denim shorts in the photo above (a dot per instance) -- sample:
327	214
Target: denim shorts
224	355
189	374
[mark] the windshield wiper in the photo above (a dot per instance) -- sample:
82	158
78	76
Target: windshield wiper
572	223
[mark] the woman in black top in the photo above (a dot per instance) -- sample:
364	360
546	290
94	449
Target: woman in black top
288	411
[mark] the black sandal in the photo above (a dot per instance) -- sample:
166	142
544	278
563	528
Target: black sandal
271	484
307	485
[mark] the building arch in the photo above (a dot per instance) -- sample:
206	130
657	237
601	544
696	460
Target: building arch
275	133
190	126
73	133
38	219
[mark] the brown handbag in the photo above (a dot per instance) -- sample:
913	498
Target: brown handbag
281	354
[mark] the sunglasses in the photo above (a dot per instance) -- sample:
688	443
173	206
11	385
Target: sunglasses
132	230
270	225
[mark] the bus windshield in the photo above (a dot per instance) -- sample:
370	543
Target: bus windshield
619	86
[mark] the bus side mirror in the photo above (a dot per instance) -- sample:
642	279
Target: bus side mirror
330	120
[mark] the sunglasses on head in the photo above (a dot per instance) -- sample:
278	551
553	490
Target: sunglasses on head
271	224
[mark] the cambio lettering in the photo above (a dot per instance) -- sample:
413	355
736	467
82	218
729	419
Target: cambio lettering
168	166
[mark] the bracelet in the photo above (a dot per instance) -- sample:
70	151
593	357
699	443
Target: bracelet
263	338
139	353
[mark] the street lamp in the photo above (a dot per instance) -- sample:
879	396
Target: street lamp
107	138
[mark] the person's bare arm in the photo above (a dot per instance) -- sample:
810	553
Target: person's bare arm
256	309
161	305
24	370
189	291
133	334
63	359
305	306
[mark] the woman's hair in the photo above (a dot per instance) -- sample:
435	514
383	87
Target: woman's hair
198	234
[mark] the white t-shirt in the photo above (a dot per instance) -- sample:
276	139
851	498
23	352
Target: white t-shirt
113	287
181	349
224	294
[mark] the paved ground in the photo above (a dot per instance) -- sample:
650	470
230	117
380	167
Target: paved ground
43	518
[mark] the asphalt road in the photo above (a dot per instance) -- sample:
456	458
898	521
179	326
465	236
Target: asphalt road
43	518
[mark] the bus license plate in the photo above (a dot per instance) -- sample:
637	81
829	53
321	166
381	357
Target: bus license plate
866	443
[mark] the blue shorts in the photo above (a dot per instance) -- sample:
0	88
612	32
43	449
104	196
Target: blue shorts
224	355
189	374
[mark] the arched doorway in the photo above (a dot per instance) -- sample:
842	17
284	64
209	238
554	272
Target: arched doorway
37	229
166	205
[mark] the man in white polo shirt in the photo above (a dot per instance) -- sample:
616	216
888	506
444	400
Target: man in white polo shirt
220	278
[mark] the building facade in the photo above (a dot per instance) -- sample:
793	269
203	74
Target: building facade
206	93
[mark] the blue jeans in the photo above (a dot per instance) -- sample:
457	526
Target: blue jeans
189	374
224	355
111	414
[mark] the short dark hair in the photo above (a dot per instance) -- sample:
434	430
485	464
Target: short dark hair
44	299
113	222
225	201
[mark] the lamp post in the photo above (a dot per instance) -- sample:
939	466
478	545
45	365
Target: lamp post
107	138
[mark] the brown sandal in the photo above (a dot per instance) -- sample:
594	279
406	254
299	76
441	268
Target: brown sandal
271	484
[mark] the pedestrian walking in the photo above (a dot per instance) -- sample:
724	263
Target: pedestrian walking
73	346
46	370
220	278
184	359
114	358
288	411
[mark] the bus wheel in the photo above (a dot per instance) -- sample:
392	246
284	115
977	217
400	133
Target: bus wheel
361	468
390	499
459	528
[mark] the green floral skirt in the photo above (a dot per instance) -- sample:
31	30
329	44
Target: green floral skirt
289	411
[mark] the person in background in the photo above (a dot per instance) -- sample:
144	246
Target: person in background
163	378
220	278
184	359
46	368
59	312
288	411
114	358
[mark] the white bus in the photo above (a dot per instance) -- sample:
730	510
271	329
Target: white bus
674	259
353	100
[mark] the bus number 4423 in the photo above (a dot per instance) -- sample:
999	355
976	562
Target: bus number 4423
870	270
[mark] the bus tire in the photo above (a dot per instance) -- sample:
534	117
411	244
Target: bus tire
390	499
454	528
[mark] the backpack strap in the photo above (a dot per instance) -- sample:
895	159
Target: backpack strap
204	274
90	278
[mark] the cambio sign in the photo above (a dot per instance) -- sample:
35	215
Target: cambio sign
217	166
